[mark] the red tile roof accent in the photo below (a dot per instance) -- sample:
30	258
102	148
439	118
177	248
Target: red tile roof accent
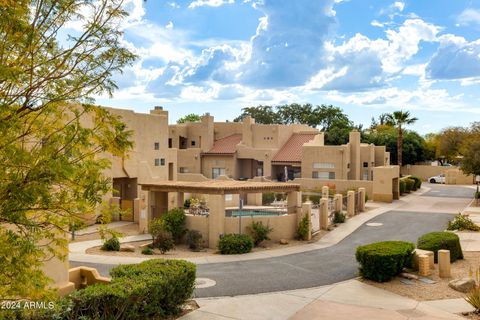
292	149
226	145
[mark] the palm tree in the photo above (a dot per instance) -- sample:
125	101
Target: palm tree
400	119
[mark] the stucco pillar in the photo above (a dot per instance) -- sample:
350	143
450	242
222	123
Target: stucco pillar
136	209
115	201
338	202
145	212
307	211
362	192
180	199
294	199
325	192
323	214
216	219
444	263
350	203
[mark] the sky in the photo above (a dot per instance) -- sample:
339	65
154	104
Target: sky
366	56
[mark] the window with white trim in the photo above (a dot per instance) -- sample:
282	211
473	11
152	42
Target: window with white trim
323	165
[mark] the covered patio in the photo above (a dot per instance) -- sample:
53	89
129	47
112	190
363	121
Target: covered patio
166	195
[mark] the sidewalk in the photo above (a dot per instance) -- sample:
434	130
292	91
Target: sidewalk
347	300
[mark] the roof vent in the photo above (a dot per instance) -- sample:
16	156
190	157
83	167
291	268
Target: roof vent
158	108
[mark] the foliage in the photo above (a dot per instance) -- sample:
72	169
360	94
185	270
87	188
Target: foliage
153	289
418	182
476	195
187	203
314	198
449	143
112	244
259	232
339	217
473	298
409	184
268	198
366	197
303	228
471	158
403	186
161	238
461	222
381	261
147	251
194	240
51	162
399	119
174	222
435	241
192	117
235	244
261	114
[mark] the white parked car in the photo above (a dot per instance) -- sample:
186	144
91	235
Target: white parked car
437	179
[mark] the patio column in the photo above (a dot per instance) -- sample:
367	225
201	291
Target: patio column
325	192
294	200
323	214
338	202
307	211
180	199
216	219
145	211
362	192
350	203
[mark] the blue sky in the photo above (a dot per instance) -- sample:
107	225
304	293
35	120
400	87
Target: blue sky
365	56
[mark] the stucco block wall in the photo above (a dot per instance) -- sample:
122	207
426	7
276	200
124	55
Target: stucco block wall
190	159
228	162
454	174
284	227
199	223
385	183
340	185
225	129
338	155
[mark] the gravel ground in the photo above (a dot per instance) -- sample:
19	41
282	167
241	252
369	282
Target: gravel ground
128	230
421	291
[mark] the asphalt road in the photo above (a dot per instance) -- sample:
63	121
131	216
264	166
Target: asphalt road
442	191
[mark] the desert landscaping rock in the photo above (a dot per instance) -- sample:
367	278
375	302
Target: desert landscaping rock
127	248
283	241
463	285
409	276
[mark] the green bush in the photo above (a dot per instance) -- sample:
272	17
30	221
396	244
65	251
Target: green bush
259	232
161	238
339	217
235	244
194	240
186	203
476	195
435	241
150	290
409	183
147	251
461	222
418	182
381	261
366	197
403	186
174	222
111	244
268	198
302	228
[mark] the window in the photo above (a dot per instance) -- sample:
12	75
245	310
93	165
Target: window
323	165
217	172
156	146
162	162
323	175
229	197
193	143
365	164
184	170
365	175
157	162
170	143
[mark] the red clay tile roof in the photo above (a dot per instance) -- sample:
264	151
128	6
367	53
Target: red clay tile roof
225	145
292	149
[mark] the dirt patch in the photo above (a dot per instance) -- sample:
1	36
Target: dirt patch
128	230
182	251
440	290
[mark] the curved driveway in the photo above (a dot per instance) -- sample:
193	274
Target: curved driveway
327	265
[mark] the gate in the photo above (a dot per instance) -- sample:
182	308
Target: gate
127	210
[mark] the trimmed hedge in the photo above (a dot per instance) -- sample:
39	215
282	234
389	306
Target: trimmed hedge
403	187
418	182
235	244
435	241
112	244
410	185
461	222
381	261
148	290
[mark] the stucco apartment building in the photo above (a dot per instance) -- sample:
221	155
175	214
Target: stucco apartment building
243	150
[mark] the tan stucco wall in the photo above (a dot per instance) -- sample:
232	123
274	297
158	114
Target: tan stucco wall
338	155
190	159
454	174
340	185
384	179
199	223
228	162
284	227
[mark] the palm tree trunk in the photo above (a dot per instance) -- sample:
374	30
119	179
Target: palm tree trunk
400	147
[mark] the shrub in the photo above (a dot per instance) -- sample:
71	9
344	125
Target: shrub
268	198
302	228
111	244
461	222
235	244
366	197
150	290
186	203
418	182
339	217
164	242
403	186
174	222
147	251
409	184
259	232
194	240
381	261
435	241
473	297
476	195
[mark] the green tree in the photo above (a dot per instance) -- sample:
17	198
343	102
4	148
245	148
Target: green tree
51	138
400	119
471	158
261	114
192	117
297	113
450	143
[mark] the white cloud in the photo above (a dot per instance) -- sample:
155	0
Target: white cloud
399	5
469	17
169	25
376	23
209	3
